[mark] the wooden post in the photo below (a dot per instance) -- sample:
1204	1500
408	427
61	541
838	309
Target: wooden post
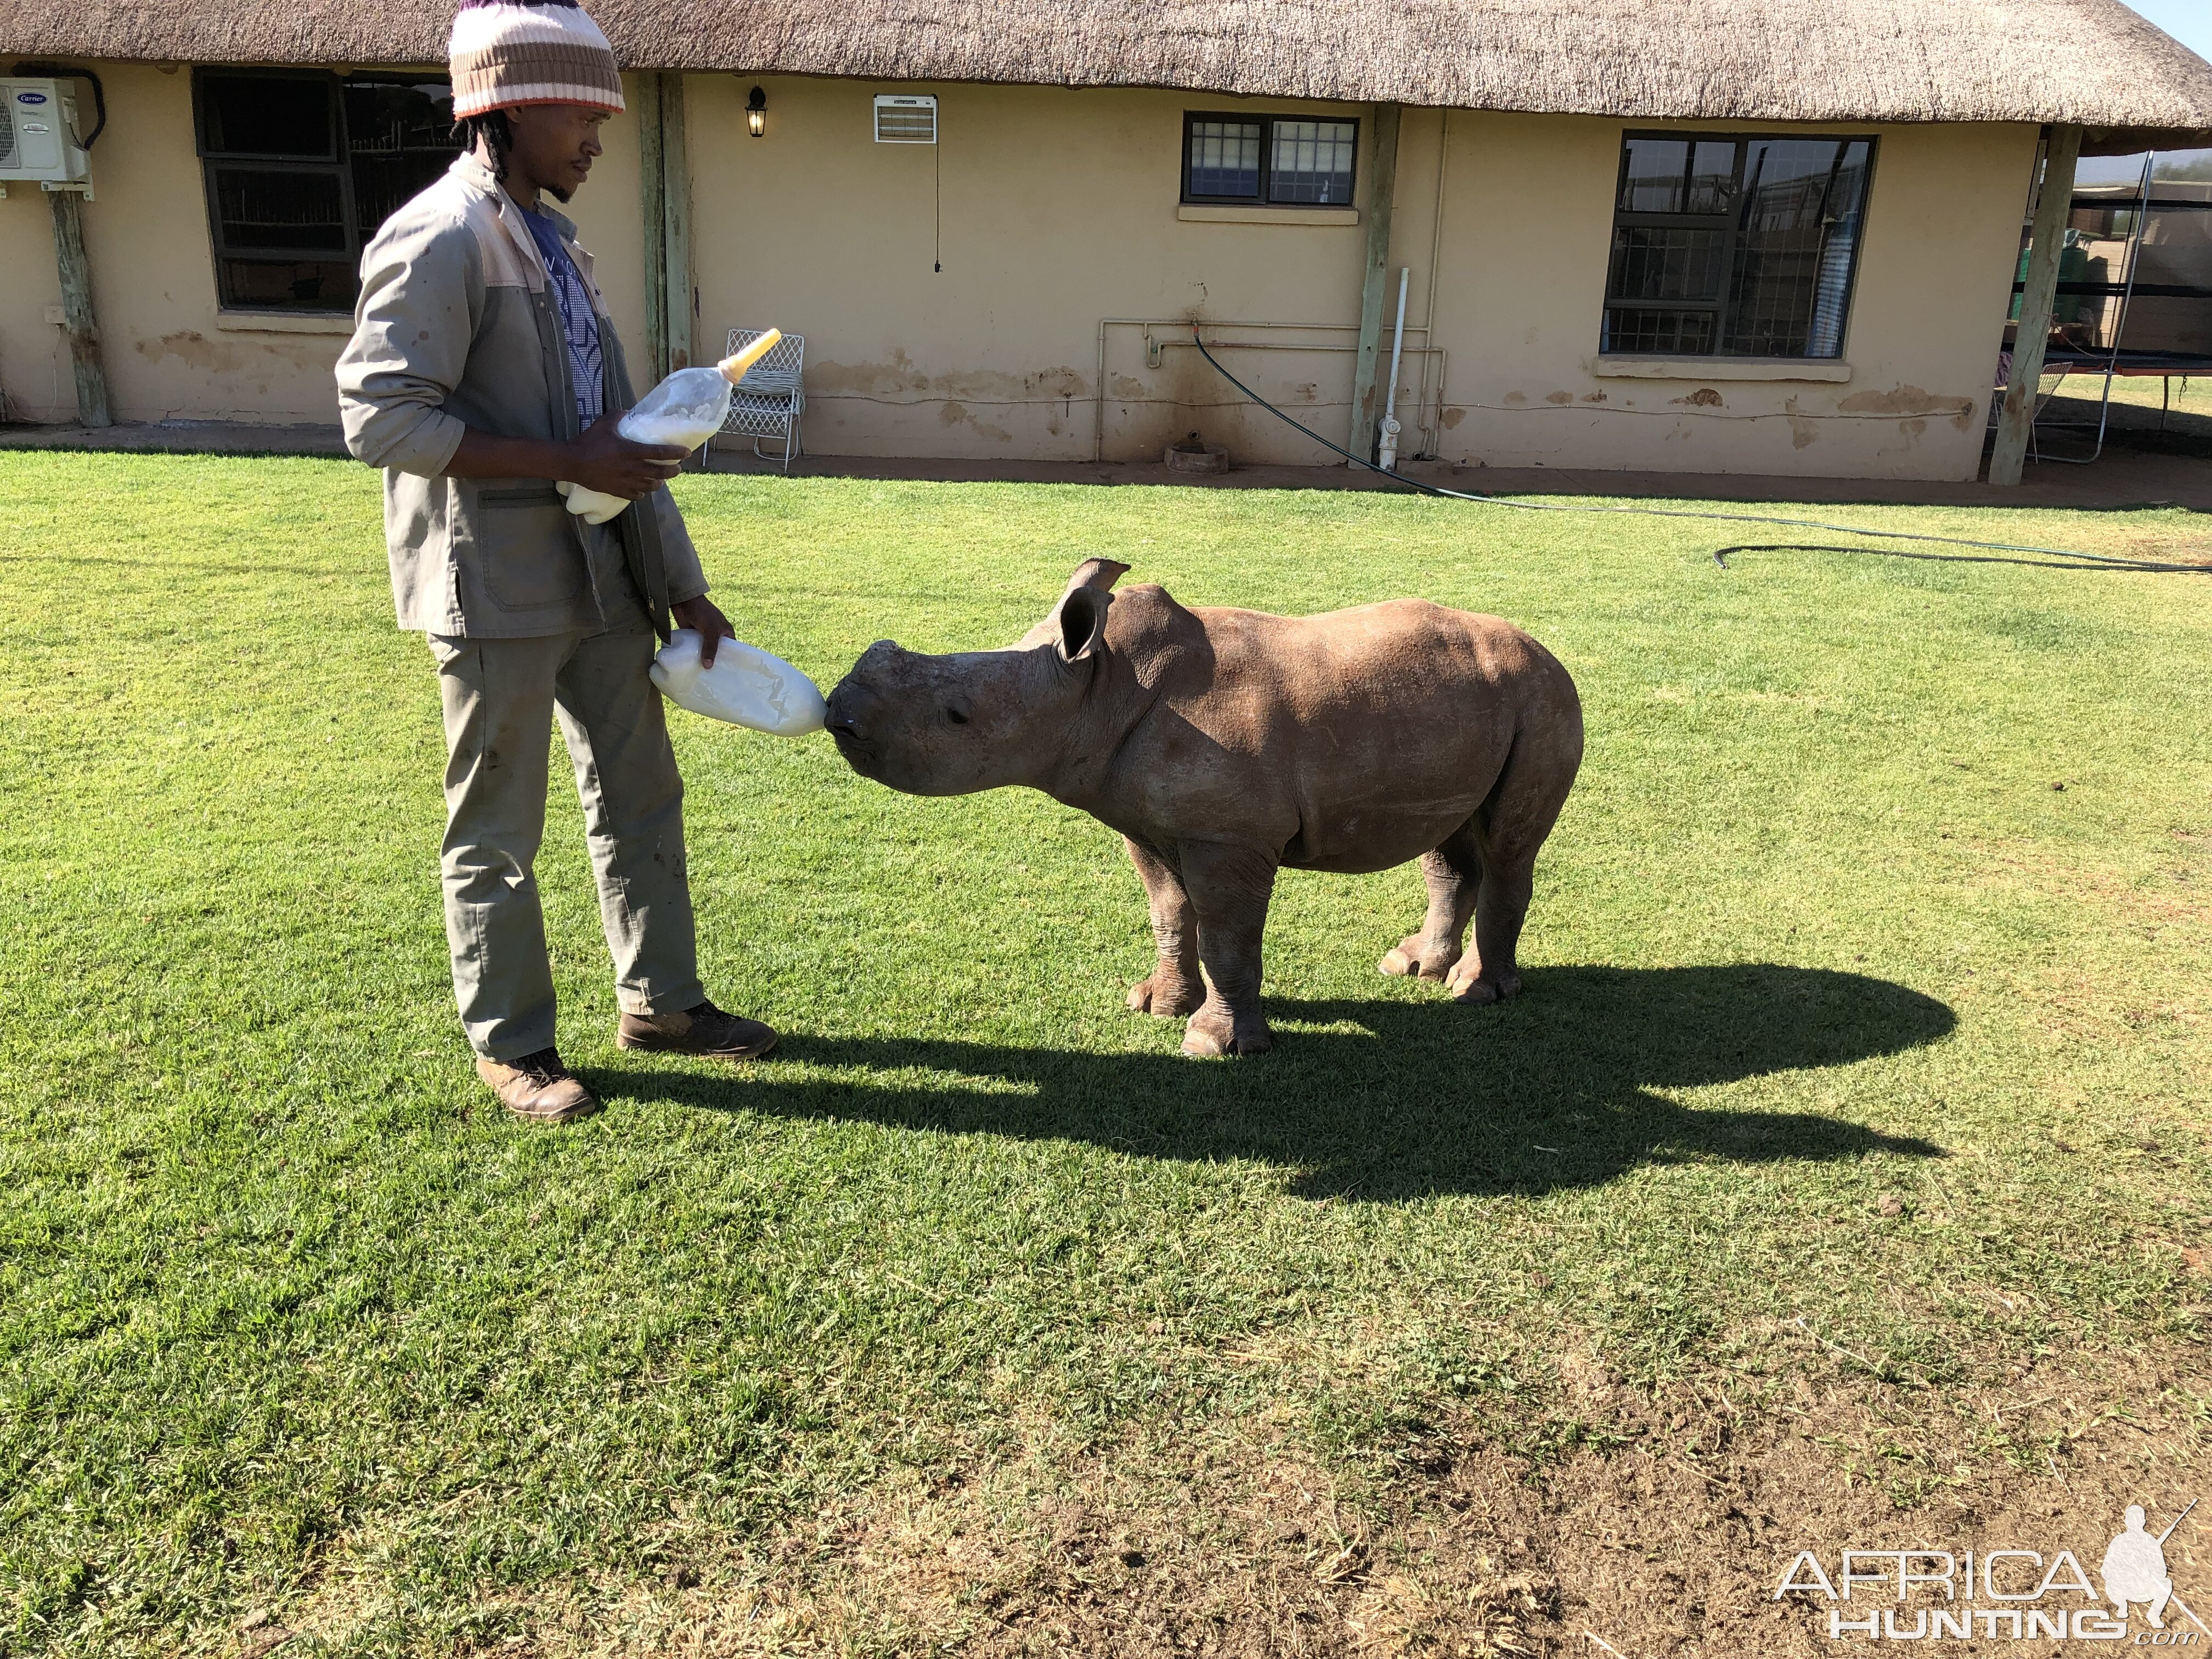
664	175
675	221
78	326
1367	388
653	198
2046	238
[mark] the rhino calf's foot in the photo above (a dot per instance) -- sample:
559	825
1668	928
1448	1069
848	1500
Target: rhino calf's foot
1214	1029
1421	956
1165	996
1469	984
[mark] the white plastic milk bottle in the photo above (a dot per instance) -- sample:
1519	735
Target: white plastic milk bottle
746	686
684	410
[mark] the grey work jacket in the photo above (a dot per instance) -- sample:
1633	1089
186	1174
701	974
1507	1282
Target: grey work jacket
457	326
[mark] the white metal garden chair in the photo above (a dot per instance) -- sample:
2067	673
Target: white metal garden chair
769	401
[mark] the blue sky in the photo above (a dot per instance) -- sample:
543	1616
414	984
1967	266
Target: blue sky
2188	21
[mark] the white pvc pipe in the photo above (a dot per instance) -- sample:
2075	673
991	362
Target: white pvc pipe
1388	450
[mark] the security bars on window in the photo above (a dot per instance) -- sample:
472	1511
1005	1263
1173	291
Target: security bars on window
1735	246
303	168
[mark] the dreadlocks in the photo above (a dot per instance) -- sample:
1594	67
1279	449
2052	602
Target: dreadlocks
497	138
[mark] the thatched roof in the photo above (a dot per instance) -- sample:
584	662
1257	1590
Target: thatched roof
2093	61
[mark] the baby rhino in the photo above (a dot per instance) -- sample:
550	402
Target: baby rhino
1225	745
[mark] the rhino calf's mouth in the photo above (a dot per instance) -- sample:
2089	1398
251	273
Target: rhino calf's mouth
845	732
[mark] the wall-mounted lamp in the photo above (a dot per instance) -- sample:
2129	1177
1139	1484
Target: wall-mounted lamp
756	113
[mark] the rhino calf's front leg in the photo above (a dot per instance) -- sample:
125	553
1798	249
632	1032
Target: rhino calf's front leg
1174	987
1228	888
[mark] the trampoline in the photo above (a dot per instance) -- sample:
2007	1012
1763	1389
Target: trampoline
2135	285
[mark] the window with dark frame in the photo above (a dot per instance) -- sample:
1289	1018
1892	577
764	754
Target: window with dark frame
1735	246
1264	161
303	168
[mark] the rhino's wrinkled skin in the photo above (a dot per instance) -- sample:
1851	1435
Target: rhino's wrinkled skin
1225	743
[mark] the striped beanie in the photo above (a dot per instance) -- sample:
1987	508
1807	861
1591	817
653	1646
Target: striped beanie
506	52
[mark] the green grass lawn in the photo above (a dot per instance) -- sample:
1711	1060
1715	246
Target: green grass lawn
1864	1050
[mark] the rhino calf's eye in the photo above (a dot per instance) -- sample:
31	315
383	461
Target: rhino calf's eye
956	717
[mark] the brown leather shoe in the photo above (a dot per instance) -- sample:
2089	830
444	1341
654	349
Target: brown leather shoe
705	1030
539	1087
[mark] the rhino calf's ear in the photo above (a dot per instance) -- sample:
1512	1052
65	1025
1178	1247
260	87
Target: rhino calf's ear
1082	619
1101	573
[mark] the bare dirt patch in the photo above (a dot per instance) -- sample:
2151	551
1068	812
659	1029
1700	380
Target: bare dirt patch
1662	1528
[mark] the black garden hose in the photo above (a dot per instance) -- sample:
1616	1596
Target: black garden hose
2073	561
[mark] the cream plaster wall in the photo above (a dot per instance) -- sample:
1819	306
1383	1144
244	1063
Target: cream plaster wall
168	353
609	215
1057	210
34	366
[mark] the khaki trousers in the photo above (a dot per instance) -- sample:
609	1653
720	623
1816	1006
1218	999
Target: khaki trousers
499	699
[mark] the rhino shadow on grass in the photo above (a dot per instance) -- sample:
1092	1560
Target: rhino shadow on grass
1385	1099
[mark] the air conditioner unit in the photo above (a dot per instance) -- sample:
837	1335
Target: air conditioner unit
905	119
38	133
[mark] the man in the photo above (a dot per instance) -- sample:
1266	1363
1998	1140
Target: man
482	370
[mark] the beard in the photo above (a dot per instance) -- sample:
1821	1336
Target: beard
558	194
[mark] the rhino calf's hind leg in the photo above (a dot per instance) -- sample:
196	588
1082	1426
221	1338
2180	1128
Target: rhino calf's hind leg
1454	874
1174	986
1228	888
1506	833
1490	973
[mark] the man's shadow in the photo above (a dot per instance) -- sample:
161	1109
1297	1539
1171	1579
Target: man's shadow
1390	1098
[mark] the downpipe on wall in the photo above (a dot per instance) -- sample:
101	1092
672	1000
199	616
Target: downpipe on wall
1387	438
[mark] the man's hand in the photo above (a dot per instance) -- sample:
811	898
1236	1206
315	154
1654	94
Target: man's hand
705	616
603	460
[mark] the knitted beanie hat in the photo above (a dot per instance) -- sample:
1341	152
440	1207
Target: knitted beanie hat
506	52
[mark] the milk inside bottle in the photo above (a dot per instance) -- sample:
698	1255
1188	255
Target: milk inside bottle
747	686
684	411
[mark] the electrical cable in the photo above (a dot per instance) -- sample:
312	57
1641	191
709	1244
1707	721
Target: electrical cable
1426	489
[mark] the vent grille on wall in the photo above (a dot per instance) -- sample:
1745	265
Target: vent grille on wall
905	119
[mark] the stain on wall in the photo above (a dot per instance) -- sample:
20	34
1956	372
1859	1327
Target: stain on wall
1903	400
